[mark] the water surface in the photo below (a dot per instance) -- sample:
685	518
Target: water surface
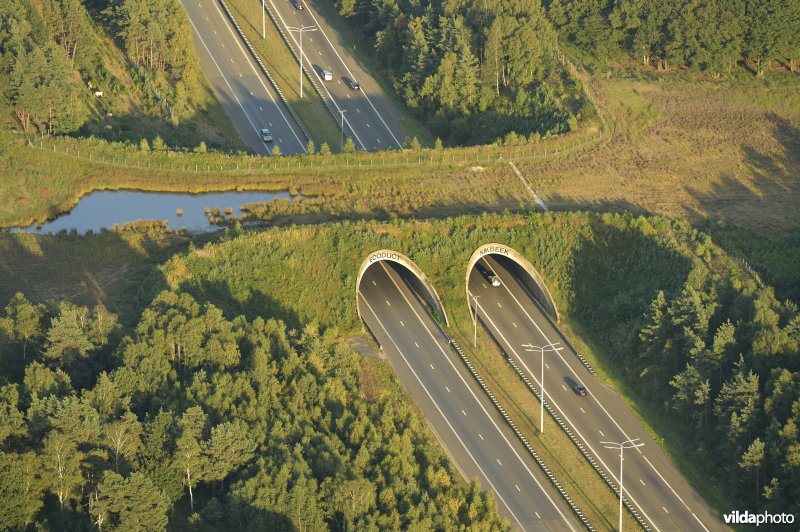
104	209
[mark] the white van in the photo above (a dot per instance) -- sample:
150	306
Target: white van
327	75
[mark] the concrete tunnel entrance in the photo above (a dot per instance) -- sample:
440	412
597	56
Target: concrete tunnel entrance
411	274
521	268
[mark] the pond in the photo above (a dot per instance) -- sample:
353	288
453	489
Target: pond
104	209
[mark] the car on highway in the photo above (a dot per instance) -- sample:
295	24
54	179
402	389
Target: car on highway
488	274
266	135
327	75
298	4
580	389
354	85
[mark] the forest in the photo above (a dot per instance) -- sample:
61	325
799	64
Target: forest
475	71
195	420
712	37
54	55
703	347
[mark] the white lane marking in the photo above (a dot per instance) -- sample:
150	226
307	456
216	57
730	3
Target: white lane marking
574	427
499	462
665	510
481	436
514	324
374	283
517	487
499	305
280	140
475	397
348	96
545	365
642	481
448	389
582	410
416	344
387	302
484	285
401	323
462	411
673	491
260	108
369	126
352	76
251	93
431	365
358	110
564	387
261	81
320	53
221	44
601	433
235	97
497	493
537	515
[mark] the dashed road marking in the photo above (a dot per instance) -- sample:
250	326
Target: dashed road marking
402	324
601	433
480	436
448	389
537	515
261	109
387	302
517	487
548	367
484	285
564	387
665	510
369	126
431	365
642	481
251	93
582	410
358	110
498	461
514	324
374	283
416	344
462	411
499	305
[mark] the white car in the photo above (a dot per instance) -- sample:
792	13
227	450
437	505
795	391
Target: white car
266	136
327	75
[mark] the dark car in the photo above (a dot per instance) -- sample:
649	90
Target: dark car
298	4
580	389
354	85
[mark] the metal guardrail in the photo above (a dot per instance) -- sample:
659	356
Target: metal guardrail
325	100
589	458
522	438
266	72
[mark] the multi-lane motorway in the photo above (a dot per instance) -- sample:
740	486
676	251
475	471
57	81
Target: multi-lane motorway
650	479
474	434
369	116
240	86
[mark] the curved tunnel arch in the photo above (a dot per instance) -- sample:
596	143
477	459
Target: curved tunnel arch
539	288
389	255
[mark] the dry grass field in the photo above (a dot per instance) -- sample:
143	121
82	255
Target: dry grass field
688	149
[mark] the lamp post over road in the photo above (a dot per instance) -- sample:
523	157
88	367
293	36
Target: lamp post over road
475	321
541	350
301	31
341	141
627	444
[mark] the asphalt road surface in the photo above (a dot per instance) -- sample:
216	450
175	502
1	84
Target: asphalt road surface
239	84
651	481
475	435
371	118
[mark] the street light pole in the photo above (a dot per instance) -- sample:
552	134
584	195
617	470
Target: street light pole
541	350
263	22
301	30
627	444
475	321
341	141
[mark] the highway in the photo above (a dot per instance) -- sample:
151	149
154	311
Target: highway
474	434
370	117
651	481
240	86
